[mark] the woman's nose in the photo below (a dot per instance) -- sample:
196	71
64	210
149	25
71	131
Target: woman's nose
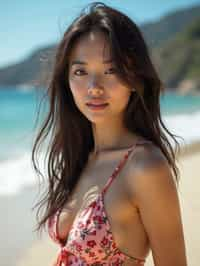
95	88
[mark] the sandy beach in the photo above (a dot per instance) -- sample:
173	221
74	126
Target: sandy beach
21	247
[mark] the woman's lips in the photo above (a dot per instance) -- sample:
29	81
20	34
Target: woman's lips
97	106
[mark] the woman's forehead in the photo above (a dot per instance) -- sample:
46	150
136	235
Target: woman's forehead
91	45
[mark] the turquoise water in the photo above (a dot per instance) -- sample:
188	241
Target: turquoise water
173	104
18	108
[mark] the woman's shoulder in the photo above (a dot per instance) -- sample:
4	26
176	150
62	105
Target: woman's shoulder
148	167
152	190
146	155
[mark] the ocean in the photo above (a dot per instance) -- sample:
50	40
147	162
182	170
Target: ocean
18	109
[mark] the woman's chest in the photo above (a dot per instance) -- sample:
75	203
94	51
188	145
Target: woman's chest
122	217
120	213
95	179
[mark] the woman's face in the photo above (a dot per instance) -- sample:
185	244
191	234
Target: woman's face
93	77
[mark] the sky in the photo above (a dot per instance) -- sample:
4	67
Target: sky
28	25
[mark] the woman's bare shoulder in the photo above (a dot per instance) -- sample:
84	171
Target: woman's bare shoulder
148	169
146	156
152	190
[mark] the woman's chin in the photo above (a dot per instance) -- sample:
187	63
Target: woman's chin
97	119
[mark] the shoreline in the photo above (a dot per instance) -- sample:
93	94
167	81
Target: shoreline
189	149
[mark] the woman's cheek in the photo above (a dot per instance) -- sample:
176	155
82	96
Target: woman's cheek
78	93
78	84
75	87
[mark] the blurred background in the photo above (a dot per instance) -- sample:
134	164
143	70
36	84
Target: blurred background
29	34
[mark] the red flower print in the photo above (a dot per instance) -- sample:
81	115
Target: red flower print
118	252
91	254
93	233
98	208
88	221
118	262
93	204
113	245
104	241
98	219
78	248
91	243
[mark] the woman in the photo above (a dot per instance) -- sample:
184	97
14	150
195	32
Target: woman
112	193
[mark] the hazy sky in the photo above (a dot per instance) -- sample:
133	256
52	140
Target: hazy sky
26	24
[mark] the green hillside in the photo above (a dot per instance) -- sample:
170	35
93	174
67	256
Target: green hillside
174	44
178	60
158	32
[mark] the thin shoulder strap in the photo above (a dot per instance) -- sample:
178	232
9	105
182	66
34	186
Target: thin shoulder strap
121	164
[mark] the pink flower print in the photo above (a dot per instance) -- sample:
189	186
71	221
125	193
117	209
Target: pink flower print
91	243
80	225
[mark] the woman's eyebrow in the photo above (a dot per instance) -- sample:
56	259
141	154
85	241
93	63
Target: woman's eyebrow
79	62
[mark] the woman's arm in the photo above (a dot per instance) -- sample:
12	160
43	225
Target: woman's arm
154	192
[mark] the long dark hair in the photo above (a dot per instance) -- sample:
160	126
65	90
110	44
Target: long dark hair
71	138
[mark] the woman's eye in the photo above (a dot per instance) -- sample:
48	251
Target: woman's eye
79	72
111	70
